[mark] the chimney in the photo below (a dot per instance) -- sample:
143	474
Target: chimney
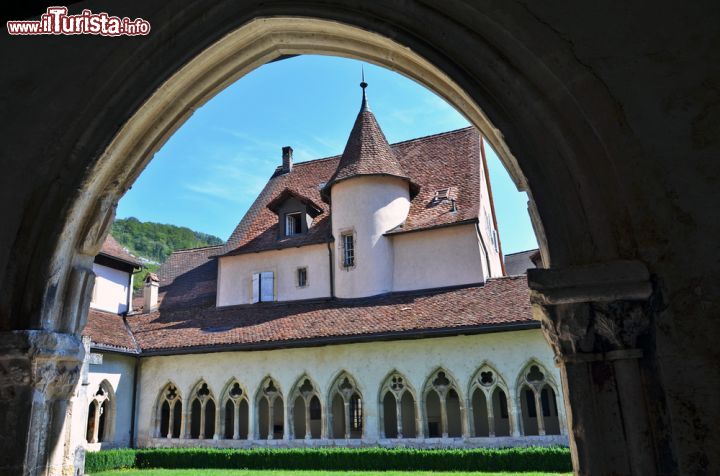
287	159
150	292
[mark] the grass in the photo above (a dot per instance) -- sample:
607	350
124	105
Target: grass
245	472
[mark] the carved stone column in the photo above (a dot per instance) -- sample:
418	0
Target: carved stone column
38	374
595	318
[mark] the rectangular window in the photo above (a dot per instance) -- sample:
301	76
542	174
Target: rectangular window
293	224
263	287
348	250
302	277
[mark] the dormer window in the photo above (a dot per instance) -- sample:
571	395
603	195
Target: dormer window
293	223
442	194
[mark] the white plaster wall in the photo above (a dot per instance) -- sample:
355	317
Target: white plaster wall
235	274
494	256
111	289
368	363
369	206
118	370
436	258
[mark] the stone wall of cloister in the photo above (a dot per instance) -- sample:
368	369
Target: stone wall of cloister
479	390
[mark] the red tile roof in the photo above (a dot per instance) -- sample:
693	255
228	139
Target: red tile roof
499	304
109	330
446	160
113	249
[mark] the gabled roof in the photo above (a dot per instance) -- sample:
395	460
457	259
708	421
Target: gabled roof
313	209
114	250
367	152
499	305
518	263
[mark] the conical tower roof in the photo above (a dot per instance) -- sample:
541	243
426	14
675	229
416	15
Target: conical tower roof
367	152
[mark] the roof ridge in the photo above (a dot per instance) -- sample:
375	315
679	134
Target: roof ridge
429	136
525	251
186	250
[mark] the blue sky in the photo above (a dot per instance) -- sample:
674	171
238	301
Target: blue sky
209	172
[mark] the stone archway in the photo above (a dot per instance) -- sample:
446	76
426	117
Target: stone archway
598	198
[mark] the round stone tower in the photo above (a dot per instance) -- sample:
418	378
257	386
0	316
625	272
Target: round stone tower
369	195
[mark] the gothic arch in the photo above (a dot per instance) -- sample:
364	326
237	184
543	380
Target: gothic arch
269	410
234	412
443	409
404	420
168	412
497	418
538	401
102	411
345	407
306	414
201	412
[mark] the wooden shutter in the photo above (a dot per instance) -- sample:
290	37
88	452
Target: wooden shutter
255	287
267	286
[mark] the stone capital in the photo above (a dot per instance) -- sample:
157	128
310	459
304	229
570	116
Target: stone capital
594	312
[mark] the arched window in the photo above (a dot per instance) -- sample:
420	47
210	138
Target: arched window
169	412
202	412
346	408
491	415
235	421
306	410
398	416
101	415
443	408
538	402
271	419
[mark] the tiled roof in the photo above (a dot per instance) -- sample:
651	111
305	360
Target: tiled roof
189	276
367	152
518	263
113	249
109	330
498	304
447	160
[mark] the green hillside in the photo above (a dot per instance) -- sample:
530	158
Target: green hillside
155	241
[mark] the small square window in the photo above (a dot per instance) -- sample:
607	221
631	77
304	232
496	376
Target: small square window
293	224
302	277
348	243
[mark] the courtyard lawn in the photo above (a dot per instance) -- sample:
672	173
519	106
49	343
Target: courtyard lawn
243	472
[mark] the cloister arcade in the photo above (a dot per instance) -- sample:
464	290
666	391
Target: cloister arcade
441	411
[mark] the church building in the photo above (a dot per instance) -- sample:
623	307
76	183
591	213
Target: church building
362	300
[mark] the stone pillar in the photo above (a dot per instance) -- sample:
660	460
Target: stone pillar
539	412
398	413
443	416
202	419
219	418
346	407
308	432
271	419
171	420
490	414
96	423
38	374
515	413
236	420
597	319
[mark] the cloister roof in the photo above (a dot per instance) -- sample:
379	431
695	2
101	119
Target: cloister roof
109	330
499	304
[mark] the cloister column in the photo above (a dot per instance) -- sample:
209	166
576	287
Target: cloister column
251	435
202	420
398	417
96	423
490	414
308	432
219	418
515	410
346	408
597	319
443	416
236	420
38	374
171	420
469	420
539	412
271	419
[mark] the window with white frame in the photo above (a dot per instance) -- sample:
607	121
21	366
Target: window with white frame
302	277
263	287
293	224
492	232
348	244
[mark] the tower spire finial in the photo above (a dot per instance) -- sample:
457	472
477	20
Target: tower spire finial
363	85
